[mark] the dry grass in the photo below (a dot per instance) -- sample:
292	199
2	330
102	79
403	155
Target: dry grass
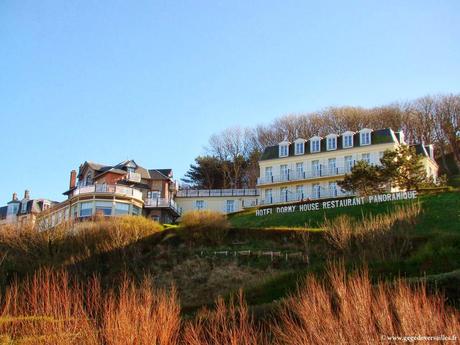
73	242
375	233
350	310
51	308
227	324
205	225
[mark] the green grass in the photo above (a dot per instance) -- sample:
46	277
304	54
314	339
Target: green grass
440	211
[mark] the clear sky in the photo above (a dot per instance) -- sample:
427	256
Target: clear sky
152	80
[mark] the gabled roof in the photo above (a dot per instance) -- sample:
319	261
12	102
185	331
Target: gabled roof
378	136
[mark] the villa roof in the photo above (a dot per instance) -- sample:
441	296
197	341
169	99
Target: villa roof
378	136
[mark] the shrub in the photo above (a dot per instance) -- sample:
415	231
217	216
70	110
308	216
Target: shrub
227	324
51	308
205	225
350	310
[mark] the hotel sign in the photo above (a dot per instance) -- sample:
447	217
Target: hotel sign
337	203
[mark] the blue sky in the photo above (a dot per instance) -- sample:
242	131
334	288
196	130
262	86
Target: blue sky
152	80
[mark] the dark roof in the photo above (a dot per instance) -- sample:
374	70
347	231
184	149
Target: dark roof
379	136
421	149
160	174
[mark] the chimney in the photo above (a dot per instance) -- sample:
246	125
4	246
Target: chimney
73	179
15	196
26	194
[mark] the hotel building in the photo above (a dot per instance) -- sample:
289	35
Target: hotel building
310	169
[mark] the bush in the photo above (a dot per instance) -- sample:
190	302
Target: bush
205	225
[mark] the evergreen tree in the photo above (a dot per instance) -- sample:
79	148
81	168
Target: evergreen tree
364	179
403	168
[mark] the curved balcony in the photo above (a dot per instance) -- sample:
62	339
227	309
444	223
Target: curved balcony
108	189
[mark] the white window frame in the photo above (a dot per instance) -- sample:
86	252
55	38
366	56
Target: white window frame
283	150
299	147
333	188
344	139
199	204
284	171
348	163
365	133
332	167
315	141
331	138
368	159
227	206
299	169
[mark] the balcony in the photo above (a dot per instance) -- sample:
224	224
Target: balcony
194	193
294	197
108	189
162	203
304	175
133	177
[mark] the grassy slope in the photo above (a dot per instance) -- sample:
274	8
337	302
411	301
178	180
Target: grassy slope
435	246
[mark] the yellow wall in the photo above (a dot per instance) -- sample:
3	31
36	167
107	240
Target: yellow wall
218	204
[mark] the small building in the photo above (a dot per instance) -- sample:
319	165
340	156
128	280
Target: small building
24	211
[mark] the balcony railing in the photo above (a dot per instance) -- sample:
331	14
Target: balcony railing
304	175
162	203
108	189
293	197
133	177
192	193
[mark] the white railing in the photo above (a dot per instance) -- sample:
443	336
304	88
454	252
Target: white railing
191	193
322	171
293	197
133	177
162	203
108	189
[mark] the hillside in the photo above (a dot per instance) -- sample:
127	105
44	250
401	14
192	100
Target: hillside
263	255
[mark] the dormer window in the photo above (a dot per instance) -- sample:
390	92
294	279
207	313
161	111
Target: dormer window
284	148
89	179
347	140
365	136
299	146
315	144
131	170
331	141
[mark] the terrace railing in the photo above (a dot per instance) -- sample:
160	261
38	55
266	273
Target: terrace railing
322	171
108	189
162	203
193	193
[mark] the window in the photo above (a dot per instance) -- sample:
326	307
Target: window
316	168
284	172
268	173
230	206
268	196
284	194
131	170
316	189
347	140
299	192
74	211
332	166
24	207
284	149
199	204
365	138
12	209
89	179
104	208
86	209
121	208
299	170
381	153
366	157
153	194
136	211
299	148
315	145
332	189
331	143
348	163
